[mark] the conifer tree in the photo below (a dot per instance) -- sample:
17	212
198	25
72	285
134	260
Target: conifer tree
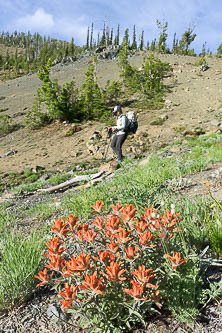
134	43
103	38
162	26
142	41
126	38
91	38
91	98
111	37
87	39
187	38
116	40
71	48
153	45
175	44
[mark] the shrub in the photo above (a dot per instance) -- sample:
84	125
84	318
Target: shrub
6	125
113	269
201	61
219	51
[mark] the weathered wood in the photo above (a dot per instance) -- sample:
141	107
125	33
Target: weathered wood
70	182
10	152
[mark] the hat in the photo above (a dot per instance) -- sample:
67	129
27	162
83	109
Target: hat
117	108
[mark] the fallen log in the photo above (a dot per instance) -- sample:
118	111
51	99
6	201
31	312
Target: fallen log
8	153
70	182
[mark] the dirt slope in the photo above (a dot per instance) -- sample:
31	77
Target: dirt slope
194	101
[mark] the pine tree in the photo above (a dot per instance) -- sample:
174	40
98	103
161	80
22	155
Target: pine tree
142	41
187	38
91	38
126	38
87	39
134	43
161	47
103	39
71	48
91	99
116	40
111	37
153	45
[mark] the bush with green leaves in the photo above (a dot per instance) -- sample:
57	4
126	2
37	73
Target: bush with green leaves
219	51
150	78
6	125
113	93
62	102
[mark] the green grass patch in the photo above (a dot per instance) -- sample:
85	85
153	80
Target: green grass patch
20	261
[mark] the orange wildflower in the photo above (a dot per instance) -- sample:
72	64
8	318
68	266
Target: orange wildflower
136	291
112	246
98	206
54	246
149	214
72	222
122	235
128	213
175	259
90	235
112	223
77	264
146	238
55	263
114	272
103	255
60	228
130	252
91	282
43	276
98	222
143	275
140	226
69	294
118	208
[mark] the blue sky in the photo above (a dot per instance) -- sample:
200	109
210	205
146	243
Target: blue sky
64	19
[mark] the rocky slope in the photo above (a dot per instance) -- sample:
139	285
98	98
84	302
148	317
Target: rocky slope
194	105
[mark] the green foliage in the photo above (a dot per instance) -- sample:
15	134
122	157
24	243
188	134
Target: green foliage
32	51
93	105
215	227
134	43
111	262
62	102
219	51
112	93
20	260
162	26
150	78
7	125
201	61
187	38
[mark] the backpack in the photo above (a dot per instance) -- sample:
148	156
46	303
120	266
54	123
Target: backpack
132	122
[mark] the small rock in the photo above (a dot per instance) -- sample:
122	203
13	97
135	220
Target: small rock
54	313
131	156
110	167
37	168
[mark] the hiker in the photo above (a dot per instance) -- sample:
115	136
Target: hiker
120	132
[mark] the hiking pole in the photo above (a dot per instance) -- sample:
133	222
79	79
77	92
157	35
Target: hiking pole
109	136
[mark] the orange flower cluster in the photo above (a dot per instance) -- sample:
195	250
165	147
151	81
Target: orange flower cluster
114	250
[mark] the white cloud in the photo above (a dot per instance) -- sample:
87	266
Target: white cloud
39	21
75	28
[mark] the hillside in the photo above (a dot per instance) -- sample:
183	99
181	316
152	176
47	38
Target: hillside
193	106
